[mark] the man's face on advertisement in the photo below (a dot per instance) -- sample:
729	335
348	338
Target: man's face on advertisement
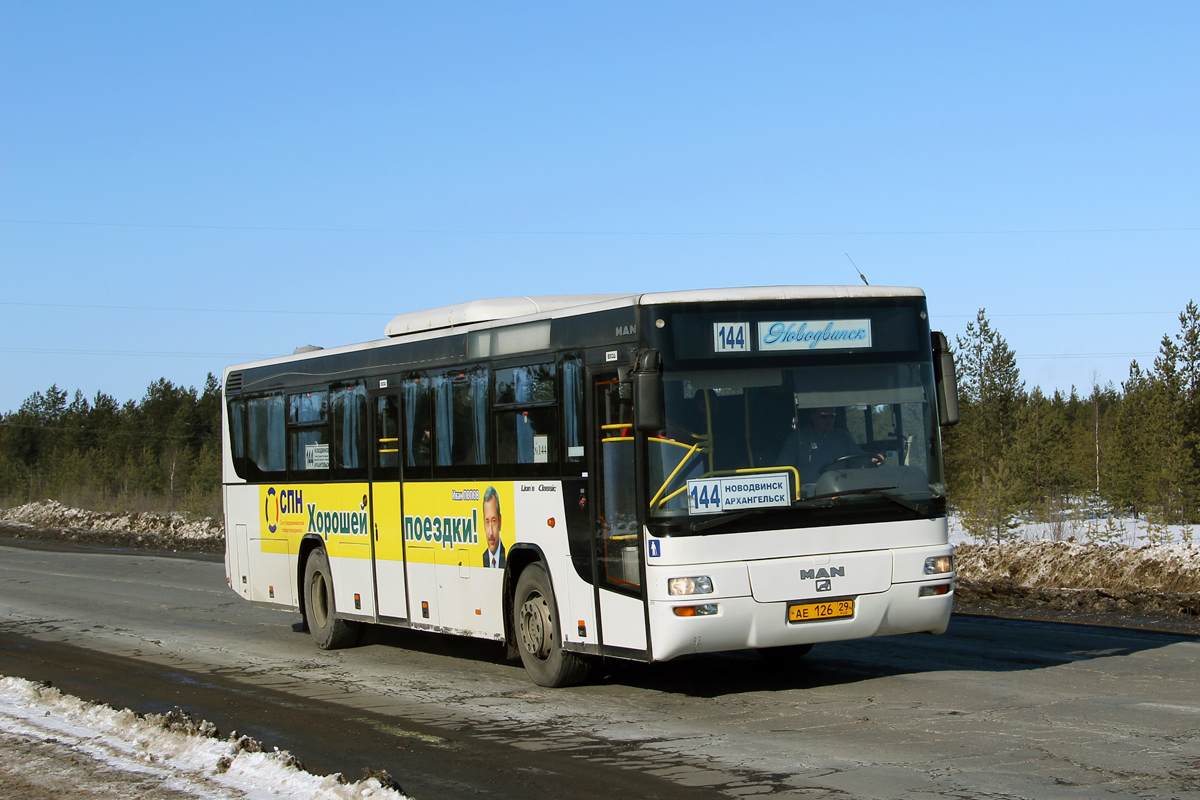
491	523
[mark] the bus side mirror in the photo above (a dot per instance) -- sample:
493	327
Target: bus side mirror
648	414
946	378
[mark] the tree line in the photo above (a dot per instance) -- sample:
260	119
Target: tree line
162	453
1127	451
1017	455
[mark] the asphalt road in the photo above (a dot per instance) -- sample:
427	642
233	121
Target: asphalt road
993	709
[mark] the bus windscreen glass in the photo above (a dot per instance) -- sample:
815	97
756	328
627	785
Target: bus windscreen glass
795	438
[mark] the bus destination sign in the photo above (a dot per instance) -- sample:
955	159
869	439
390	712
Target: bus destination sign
714	495
837	334
785	335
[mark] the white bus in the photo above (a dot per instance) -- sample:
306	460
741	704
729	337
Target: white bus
605	476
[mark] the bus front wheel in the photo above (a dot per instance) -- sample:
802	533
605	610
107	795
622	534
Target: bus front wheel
320	612
539	633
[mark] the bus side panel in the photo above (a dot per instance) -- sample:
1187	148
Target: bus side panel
340	514
353	578
624	620
542	522
241	506
388	529
262	554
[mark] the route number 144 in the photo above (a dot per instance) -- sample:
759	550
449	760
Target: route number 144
731	337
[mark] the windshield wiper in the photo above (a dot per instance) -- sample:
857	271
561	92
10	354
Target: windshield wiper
880	491
921	509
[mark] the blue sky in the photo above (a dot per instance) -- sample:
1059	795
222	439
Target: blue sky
187	185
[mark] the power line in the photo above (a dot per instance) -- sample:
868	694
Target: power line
255	311
390	314
51	351
538	232
1069	314
48	351
1085	355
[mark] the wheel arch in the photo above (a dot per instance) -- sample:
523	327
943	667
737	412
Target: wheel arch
518	558
307	545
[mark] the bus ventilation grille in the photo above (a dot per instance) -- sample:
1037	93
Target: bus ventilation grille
234	384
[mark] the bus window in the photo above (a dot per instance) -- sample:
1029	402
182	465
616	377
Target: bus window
237	432
264	434
387	436
616	523
526	417
527	436
533	383
308	432
573	408
348	415
418	427
461	418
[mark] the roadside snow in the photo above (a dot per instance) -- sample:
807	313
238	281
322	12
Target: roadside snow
54	745
53	514
1073	565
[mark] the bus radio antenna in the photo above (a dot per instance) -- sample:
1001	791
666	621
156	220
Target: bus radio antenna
856	269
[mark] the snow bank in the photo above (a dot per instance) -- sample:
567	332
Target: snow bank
1071	565
49	519
184	755
53	514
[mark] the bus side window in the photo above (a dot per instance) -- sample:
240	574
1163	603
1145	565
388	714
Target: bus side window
573	415
387	433
236	412
460	421
308	432
418	427
265	436
348	417
526	418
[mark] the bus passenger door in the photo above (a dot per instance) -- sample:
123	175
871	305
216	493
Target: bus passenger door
618	544
387	525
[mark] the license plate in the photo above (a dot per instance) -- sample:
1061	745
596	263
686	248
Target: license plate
811	612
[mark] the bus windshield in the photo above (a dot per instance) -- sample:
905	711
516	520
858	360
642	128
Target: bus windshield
761	441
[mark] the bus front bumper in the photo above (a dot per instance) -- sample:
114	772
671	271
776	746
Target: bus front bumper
739	623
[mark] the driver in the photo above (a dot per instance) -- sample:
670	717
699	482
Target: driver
810	446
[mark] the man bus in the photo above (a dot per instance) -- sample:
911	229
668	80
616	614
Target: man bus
636	446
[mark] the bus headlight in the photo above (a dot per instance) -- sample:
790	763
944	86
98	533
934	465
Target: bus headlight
684	586
938	565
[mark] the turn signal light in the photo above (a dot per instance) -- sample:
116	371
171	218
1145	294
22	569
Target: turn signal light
706	610
934	591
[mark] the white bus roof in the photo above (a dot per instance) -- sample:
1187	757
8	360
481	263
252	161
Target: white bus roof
509	307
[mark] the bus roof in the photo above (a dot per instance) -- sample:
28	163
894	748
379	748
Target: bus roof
500	308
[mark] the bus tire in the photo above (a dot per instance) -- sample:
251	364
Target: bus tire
787	654
539	634
320	611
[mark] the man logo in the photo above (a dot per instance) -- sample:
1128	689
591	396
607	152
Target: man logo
825	585
817	574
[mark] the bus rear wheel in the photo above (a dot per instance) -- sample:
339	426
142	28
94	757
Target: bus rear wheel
539	633
320	612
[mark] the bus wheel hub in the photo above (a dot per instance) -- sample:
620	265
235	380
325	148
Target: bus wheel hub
535	623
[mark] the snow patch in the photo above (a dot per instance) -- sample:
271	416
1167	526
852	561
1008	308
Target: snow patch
186	756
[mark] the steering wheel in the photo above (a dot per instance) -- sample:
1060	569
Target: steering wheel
831	463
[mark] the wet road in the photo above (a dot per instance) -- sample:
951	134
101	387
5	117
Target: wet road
991	709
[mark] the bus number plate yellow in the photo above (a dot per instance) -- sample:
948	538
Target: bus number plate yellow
811	612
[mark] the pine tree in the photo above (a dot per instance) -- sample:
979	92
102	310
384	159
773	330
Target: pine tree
990	390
